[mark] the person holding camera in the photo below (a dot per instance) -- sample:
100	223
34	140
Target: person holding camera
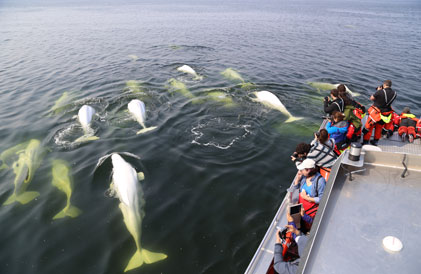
289	242
336	104
380	113
301	151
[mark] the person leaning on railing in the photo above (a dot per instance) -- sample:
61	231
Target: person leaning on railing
311	185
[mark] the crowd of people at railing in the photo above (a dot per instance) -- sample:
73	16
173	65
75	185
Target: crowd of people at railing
315	160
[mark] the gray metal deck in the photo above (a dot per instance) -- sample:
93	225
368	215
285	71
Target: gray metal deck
358	214
355	216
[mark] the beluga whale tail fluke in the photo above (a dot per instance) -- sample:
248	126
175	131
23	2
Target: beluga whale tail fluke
85	118
187	69
144	256
138	111
270	100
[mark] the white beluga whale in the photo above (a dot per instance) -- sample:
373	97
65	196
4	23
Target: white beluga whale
85	118
270	100
126	187
138	111
187	69
329	86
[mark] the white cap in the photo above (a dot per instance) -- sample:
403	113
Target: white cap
307	163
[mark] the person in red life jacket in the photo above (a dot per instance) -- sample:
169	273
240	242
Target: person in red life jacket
337	129
407	123
353	116
389	128
293	236
380	113
419	128
337	104
311	186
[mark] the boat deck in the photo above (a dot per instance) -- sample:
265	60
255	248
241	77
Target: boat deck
377	203
354	216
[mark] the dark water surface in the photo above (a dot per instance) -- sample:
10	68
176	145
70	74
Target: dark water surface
215	174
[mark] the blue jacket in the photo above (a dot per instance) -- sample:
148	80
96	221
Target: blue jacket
320	188
337	131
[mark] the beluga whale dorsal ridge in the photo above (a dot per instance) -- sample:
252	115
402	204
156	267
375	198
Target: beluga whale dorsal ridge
85	118
270	100
187	69
127	189
138	111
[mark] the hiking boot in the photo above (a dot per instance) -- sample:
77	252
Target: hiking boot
374	142
411	138
403	137
365	142
389	133
384	131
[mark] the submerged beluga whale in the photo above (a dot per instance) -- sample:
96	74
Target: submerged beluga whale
270	100
28	161
329	86
138	111
61	180
126	187
187	69
85	118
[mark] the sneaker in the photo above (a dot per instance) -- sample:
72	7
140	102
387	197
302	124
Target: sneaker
403	136
374	142
411	138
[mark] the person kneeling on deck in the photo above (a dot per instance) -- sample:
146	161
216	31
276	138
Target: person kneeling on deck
380	113
286	261
407	123
338	128
311	185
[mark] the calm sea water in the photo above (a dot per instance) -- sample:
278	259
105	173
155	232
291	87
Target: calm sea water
215	174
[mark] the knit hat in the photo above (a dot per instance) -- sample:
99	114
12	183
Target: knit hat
406	110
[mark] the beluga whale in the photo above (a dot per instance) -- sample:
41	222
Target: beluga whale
270	100
329	86
28	161
187	69
138	111
61	180
85	118
126	187
233	75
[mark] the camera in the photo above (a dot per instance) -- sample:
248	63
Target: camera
379	87
317	134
